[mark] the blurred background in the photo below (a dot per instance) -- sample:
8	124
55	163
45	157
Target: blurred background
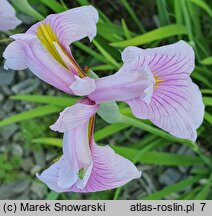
172	169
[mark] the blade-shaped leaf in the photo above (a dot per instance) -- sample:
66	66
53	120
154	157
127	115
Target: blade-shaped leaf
25	7
33	113
173	188
156	34
51	100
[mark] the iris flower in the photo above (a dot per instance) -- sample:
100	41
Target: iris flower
84	165
44	49
8	19
174	102
155	83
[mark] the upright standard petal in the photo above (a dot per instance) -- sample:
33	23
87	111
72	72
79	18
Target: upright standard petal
122	87
58	31
44	49
85	166
176	104
27	52
8	19
71	25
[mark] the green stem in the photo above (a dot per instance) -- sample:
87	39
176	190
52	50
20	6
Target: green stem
156	131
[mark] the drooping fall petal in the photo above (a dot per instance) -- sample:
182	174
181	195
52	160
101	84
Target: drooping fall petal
85	166
8	19
176	104
109	171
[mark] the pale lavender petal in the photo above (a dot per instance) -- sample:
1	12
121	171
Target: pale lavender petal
8	19
176	104
177	58
198	108
83	86
74	116
177	108
119	87
71	25
27	52
110	170
77	155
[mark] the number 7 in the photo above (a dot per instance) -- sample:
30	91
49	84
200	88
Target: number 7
203	205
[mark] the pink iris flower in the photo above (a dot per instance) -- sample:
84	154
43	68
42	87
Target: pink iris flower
8	19
84	165
174	103
44	49
154	82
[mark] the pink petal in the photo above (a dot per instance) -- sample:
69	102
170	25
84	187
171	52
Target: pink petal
176	108
176	103
119	87
110	170
76	156
83	86
74	116
71	25
28	52
167	60
8	19
77	153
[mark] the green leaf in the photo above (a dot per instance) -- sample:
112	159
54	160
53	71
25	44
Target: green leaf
207	61
145	141
202	195
33	113
207	101
49	141
206	91
106	54
190	195
178	12
109	31
187	19
90	52
200	77
25	7
109	130
156	131
132	14
103	67
158	158
151	157
202	4
53	5
208	117
157	34
51	100
52	195
163	12
173	188
125	29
